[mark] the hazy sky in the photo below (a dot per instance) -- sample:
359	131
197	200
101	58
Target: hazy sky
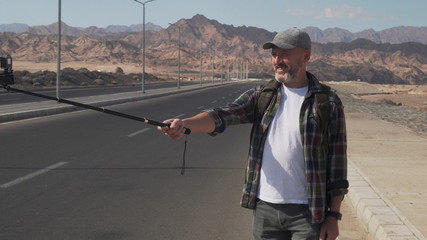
273	15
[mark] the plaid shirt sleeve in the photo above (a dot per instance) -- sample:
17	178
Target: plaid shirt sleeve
337	153
238	112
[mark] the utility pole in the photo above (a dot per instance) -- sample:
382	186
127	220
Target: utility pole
143	42
212	64
58	69
201	63
179	54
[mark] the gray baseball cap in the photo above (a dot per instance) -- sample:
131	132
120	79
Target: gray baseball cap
290	38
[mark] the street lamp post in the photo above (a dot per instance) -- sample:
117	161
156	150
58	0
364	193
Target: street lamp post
201	57
143	42
58	70
201	64
212	64
179	54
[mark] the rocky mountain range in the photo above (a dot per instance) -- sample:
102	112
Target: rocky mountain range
396	55
394	35
74	31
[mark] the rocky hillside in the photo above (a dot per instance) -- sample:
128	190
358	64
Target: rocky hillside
230	47
371	62
81	77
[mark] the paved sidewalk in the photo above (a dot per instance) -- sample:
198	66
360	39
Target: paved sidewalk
387	175
387	167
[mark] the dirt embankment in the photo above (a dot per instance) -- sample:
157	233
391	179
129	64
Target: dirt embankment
413	96
79	78
405	105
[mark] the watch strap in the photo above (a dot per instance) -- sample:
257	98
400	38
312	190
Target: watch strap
336	215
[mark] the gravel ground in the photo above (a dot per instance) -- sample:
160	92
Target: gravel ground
414	119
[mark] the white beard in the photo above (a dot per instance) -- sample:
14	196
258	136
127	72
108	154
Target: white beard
287	78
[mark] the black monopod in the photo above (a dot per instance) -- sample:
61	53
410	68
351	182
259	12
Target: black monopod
99	109
6	78
103	110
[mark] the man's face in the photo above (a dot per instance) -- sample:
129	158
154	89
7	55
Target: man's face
287	63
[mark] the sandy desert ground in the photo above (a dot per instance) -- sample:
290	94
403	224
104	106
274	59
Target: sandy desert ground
413	96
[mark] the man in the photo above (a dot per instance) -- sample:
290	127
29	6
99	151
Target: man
294	181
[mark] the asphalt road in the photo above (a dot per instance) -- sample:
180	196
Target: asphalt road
88	175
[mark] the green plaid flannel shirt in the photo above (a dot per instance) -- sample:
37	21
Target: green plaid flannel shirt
326	171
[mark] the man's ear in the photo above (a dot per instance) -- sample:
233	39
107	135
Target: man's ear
307	55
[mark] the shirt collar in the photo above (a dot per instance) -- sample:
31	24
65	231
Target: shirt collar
314	85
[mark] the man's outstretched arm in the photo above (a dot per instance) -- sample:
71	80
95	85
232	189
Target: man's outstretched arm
200	123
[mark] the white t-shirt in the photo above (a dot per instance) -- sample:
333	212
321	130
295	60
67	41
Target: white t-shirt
282	177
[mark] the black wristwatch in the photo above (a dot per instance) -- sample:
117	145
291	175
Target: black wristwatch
336	215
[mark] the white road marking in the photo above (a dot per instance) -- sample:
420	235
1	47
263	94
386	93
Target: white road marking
214	101
138	132
32	175
180	115
200	107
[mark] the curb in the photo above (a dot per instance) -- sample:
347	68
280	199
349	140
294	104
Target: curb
381	219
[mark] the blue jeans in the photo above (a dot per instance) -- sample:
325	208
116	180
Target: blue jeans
283	222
